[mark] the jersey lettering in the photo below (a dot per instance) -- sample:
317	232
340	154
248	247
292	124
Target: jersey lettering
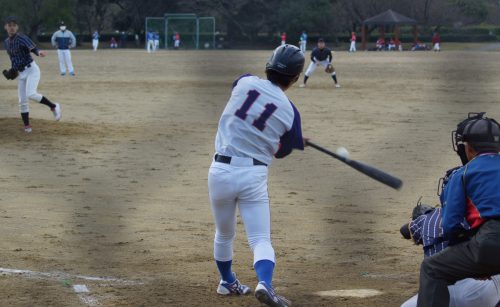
260	122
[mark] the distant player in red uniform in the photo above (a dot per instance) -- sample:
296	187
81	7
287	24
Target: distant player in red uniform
436	41
380	44
283	38
177	40
353	42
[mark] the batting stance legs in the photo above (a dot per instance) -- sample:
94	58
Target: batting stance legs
65	60
246	187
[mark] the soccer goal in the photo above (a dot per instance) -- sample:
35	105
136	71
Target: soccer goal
194	32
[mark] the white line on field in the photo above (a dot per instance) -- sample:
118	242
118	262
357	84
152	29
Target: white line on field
350	293
62	275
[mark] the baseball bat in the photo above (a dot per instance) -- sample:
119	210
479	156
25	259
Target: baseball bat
368	170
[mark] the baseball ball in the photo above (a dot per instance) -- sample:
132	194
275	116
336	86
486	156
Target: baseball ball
343	152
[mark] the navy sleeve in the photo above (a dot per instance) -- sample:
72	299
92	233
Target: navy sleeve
313	54
292	139
27	42
329	56
241	77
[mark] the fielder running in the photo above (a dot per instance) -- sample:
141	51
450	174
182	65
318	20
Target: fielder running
19	47
259	122
321	56
63	40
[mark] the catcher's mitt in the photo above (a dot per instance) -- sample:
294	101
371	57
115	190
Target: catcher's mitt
10	74
329	68
421	209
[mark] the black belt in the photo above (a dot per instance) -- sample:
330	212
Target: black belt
227	160
23	68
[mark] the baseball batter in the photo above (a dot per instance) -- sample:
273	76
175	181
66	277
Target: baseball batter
321	56
63	40
19	48
259	122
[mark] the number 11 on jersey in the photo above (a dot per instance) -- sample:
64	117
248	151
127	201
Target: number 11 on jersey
260	122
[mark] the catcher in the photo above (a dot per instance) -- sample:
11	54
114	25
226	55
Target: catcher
471	193
321	56
19	48
425	228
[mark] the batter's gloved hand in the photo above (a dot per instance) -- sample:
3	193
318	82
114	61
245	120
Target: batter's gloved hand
10	74
329	68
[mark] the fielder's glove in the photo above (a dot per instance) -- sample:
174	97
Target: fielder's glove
10	74
329	68
421	209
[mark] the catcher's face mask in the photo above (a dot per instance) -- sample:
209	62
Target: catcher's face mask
457	138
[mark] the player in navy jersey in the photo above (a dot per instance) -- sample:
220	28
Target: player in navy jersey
64	40
258	123
320	56
19	48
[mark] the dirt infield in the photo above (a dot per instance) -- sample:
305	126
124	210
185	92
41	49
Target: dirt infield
118	188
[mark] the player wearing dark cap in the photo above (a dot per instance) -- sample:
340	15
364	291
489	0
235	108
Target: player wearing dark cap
321	56
19	48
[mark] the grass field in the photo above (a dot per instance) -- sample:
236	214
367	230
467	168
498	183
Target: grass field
118	188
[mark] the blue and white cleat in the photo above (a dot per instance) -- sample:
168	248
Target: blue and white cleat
235	287
266	295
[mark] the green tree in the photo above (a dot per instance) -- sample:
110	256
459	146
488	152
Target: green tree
477	9
35	15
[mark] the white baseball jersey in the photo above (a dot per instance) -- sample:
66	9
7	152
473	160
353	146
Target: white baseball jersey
258	122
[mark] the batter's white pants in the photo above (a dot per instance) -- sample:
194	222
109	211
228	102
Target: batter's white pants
353	47
470	293
65	60
303	45
27	87
157	44
177	43
245	187
95	44
313	65
437	47
150	45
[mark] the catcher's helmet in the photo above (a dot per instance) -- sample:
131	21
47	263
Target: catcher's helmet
287	60
482	133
